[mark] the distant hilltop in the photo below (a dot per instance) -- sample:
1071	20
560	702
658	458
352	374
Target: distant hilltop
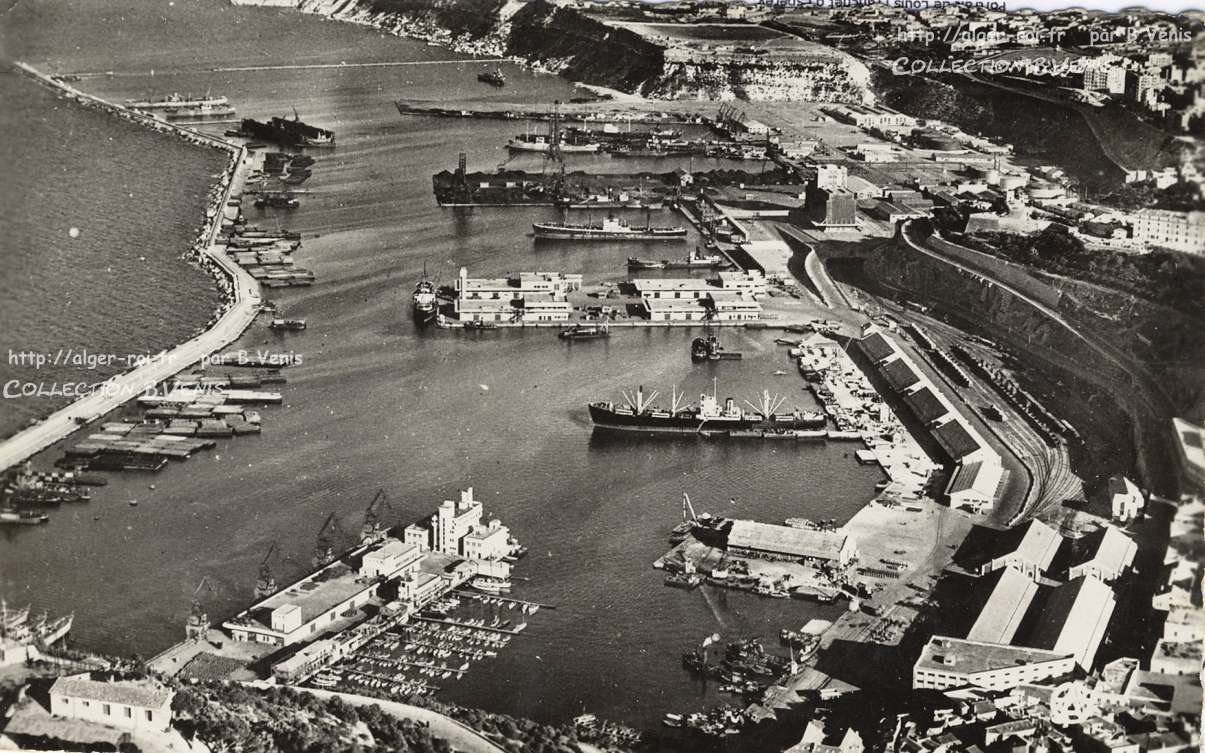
659	61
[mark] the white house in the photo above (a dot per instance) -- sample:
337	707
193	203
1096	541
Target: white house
143	706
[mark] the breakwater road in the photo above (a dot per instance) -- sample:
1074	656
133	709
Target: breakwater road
81	75
460	736
385	64
121	388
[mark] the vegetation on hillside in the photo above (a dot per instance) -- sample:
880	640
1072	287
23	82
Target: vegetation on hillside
1168	277
472	18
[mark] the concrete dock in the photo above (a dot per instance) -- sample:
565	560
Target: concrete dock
131	384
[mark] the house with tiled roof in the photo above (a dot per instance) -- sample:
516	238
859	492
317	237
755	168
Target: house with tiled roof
139	705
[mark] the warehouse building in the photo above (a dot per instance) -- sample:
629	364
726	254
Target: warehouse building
1111	557
1006	605
953	663
762	540
1031	553
1074	618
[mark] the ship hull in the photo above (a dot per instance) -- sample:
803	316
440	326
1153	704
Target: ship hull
529	146
681	423
552	232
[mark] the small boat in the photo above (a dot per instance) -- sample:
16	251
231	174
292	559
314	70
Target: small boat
492	77
585	332
480	325
709	349
12	517
288	324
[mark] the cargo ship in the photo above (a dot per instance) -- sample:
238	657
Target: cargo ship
287	132
492	77
696	260
534	142
186	111
709	416
610	229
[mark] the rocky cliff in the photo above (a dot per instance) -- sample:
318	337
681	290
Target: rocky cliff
566	41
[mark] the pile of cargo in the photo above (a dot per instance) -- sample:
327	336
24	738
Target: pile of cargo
267	255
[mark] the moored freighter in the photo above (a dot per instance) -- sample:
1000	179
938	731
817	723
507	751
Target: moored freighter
707	417
181	110
610	229
287	132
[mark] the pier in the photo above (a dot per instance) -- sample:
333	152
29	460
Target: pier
453	623
123	387
520	602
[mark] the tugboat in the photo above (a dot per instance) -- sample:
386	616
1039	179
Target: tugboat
492	77
709	349
585	332
610	229
424	298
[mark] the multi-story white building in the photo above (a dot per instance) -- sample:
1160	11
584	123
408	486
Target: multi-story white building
141	706
488	542
1107	77
1179	231
953	663
454	520
394	558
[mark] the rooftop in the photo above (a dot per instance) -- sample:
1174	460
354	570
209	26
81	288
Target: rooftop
1192	443
1114	550
1038	545
315	595
927	406
900	375
1006	606
877	347
1073	619
143	693
786	540
982	476
956	439
943	654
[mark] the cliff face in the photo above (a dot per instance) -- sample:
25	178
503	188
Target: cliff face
820	81
583	49
586	50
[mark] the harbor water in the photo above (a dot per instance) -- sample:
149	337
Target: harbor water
377	402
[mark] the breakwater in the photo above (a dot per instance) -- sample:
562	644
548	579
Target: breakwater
240	296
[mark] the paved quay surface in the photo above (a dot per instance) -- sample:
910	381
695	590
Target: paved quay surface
131	384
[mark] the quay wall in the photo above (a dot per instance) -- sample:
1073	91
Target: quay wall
240	290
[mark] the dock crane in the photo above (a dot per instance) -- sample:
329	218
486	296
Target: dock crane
324	552
197	625
265	584
373	530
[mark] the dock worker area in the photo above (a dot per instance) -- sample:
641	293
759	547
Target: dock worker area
394	617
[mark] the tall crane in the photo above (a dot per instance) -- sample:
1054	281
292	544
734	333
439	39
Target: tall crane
373	529
324	552
197	625
265	584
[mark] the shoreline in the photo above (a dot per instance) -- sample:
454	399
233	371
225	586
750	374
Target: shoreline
240	294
